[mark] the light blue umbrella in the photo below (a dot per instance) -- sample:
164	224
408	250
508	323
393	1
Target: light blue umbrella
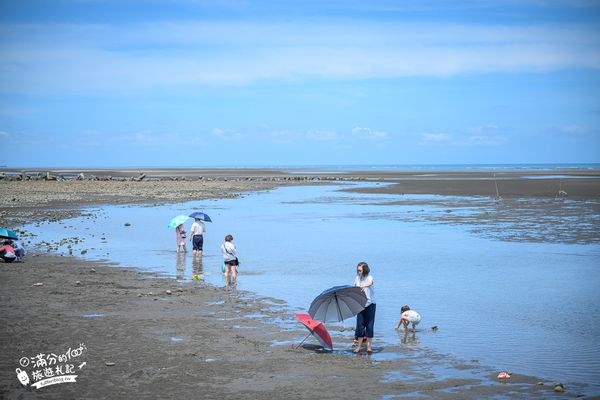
8	234
178	220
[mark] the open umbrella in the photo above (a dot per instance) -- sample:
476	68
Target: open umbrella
178	220
201	215
338	303
8	234
317	329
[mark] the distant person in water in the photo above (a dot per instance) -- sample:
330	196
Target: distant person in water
408	316
230	259
197	237
180	236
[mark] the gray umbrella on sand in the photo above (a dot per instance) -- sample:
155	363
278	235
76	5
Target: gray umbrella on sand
338	303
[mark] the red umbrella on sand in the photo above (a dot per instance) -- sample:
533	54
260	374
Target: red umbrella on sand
317	329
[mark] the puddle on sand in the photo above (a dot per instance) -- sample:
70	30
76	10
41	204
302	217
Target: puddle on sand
439	244
92	315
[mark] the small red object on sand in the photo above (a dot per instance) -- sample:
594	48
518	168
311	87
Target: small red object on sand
503	375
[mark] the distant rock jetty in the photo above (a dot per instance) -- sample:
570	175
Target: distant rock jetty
142	176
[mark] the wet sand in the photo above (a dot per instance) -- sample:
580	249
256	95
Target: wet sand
198	341
573	183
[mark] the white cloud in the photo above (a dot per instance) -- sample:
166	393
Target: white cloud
479	130
281	133
284	136
227	134
147	56
4	134
322	135
575	129
482	140
485	135
368	133
146	137
436	137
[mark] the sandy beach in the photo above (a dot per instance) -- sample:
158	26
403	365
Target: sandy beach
143	336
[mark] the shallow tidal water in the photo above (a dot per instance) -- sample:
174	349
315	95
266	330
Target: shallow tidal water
525	307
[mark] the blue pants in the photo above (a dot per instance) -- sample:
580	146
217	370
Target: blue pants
197	242
365	321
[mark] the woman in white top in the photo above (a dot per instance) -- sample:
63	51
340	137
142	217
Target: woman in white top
229	259
365	320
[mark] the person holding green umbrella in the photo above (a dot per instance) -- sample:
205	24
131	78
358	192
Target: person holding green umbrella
180	234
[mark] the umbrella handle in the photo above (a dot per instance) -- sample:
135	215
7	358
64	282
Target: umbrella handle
303	340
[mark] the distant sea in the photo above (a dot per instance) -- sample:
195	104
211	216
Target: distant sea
443	167
345	167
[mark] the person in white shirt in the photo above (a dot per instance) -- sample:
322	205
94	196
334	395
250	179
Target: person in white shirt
408	316
197	237
230	259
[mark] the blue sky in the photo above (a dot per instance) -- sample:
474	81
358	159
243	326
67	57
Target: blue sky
109	83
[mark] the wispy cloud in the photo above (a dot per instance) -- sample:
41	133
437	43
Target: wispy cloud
142	138
435	137
368	133
477	136
146	137
227	134
482	140
485	135
484	129
575	129
146	56
284	135
321	135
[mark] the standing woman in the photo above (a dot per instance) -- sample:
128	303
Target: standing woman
365	320
229	259
197	237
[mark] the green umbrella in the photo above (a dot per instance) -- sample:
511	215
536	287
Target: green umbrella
178	220
8	234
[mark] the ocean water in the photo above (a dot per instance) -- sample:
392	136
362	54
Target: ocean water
530	308
415	167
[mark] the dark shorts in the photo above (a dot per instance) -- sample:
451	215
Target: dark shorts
232	262
198	242
8	257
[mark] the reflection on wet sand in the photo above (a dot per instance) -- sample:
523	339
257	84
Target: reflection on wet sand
180	266
409	337
197	269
